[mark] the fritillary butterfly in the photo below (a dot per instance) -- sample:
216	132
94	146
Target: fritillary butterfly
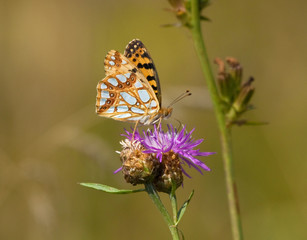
131	90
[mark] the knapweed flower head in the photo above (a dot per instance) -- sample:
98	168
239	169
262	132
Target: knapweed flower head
138	167
173	149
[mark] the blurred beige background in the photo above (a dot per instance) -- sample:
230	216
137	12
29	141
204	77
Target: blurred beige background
51	58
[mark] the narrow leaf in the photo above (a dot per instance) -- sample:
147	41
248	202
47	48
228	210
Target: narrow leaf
182	236
109	189
203	18
171	25
183	207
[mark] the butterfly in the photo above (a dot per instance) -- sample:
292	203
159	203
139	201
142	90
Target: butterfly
131	90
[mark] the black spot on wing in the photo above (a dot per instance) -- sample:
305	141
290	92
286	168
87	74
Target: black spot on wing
148	66
145	55
145	65
154	87
131	52
150	78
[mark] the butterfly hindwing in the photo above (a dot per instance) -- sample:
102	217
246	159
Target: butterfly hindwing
137	53
124	94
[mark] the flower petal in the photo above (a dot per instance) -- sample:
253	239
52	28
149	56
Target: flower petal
158	142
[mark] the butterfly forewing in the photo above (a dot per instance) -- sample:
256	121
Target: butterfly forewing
115	62
137	53
124	94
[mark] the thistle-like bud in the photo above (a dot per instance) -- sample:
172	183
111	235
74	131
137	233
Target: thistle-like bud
229	80
137	167
182	10
235	71
223	81
235	96
169	172
241	104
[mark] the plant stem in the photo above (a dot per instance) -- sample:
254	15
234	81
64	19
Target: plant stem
173	199
157	201
233	201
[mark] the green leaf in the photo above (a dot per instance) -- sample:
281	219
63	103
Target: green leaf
172	25
204	18
250	123
109	189
183	207
182	236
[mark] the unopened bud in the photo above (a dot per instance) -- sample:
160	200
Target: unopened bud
137	167
242	102
169	172
183	11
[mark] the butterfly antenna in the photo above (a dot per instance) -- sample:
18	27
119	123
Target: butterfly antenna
181	96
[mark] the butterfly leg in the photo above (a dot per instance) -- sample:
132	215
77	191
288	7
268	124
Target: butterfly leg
136	124
159	123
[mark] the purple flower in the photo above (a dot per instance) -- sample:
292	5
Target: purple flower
180	142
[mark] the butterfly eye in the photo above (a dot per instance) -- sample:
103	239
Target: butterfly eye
112	94
120	86
108	102
117	65
110	87
128	83
137	55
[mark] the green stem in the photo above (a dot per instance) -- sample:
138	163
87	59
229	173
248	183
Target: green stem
150	189
173	199
233	202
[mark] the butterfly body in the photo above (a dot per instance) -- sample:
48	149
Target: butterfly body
131	90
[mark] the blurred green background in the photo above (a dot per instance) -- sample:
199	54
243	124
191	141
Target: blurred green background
51	59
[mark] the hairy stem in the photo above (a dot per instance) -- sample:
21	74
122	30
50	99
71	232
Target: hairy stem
233	202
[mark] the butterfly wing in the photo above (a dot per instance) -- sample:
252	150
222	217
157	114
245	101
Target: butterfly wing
114	62
124	94
137	53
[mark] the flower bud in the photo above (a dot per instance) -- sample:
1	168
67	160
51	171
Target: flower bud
183	11
242	102
169	172
229	80
235	97
223	81
235	72
137	167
